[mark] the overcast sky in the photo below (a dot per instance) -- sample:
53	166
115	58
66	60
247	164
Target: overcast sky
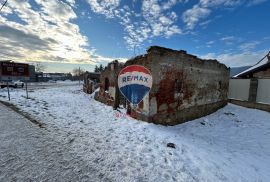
89	32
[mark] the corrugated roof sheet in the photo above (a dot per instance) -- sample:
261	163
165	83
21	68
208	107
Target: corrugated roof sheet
262	62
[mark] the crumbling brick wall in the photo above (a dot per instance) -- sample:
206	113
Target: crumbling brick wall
90	82
184	86
108	83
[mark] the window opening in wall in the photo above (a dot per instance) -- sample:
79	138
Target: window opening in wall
106	84
178	86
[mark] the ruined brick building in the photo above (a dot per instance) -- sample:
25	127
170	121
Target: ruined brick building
184	86
108	84
90	81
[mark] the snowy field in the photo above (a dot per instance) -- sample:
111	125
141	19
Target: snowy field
232	144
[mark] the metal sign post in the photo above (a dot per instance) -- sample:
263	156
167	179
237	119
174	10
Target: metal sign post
8	91
10	70
26	90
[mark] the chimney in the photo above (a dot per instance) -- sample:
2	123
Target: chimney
268	56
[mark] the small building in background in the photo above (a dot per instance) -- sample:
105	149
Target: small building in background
32	73
90	81
109	92
251	87
184	87
18	72
44	77
259	70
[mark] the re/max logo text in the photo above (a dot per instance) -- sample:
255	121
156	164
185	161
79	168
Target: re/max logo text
133	78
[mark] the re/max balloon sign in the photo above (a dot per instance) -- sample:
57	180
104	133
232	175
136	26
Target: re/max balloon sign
135	82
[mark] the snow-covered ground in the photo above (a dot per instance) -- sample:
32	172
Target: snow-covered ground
28	153
232	144
41	85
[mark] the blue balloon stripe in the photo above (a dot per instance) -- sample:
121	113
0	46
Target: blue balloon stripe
134	92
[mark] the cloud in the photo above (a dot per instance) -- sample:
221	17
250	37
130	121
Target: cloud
155	19
56	11
161	22
246	58
19	38
227	38
248	46
205	23
105	7
71	2
210	43
44	33
215	3
192	16
202	10
169	4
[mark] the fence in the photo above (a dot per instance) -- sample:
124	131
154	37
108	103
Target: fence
263	91
239	89
250	92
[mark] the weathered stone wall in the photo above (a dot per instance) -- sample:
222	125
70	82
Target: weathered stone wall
143	107
184	86
107	95
253	105
90	82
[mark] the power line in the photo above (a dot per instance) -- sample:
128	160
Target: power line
3	5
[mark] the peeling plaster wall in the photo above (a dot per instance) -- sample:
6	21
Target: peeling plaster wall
153	108
204	86
110	72
111	92
146	104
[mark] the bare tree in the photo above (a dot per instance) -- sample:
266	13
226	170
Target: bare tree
40	67
78	71
78	74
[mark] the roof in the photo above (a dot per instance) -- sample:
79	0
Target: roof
237	70
264	62
5	60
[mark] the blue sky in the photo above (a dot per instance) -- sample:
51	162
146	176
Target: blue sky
64	34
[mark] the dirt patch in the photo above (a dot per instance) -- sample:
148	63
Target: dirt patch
24	114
